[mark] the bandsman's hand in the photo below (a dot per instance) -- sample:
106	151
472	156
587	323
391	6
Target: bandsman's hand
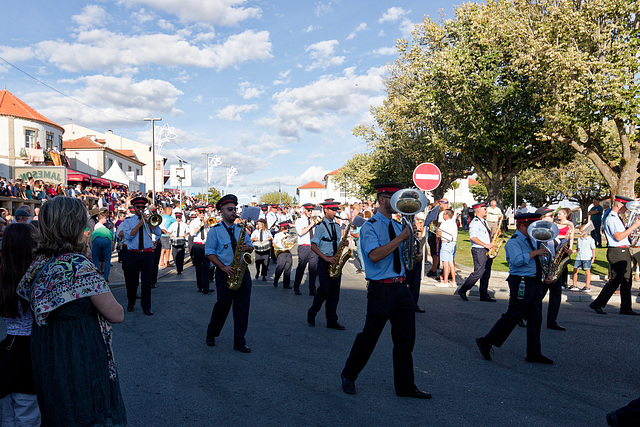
245	247
405	233
490	246
229	270
331	260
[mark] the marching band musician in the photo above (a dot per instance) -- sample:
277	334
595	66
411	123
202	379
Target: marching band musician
480	237
284	258
178	230
262	237
137	234
198	229
220	249
555	289
325	243
525	293
305	228
619	259
388	299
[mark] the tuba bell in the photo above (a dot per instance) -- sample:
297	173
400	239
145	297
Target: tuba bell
634	208
543	232
408	202
155	220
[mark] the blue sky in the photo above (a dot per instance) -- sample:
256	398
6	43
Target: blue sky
271	88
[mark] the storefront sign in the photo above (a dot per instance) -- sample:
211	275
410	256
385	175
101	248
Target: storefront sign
48	174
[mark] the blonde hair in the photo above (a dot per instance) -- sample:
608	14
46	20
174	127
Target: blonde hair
62	222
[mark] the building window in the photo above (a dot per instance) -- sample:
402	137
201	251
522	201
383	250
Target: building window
129	169
49	136
343	194
30	136
312	194
120	164
110	163
137	172
60	143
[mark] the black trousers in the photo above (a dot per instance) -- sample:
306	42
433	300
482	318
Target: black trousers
413	281
629	415
262	264
178	257
596	234
555	298
240	300
481	271
328	293
201	264
139	266
283	268
529	308
157	251
306	257
387	302
620	267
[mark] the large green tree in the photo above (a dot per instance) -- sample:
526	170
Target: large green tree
277	197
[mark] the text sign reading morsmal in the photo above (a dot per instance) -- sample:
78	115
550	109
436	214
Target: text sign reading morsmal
48	174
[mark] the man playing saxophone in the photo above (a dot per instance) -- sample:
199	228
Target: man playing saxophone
325	243
220	248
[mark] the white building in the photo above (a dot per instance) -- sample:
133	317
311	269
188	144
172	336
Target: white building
24	135
95	158
140	151
312	192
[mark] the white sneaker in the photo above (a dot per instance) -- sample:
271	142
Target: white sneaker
585	289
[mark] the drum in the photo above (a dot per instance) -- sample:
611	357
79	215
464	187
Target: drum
262	247
178	242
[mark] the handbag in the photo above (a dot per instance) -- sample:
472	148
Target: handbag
16	375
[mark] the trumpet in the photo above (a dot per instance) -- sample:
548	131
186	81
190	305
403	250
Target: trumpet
154	220
211	221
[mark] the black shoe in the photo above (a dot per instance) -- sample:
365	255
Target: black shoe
612	419
297	292
629	312
155	285
556	327
148	312
431	274
275	284
522	323
286	287
242	348
462	295
199	290
257	275
205	291
485	348
420	310
130	308
264	278
348	387
336	325
211	341
312	293
487	299
597	309
539	359
417	393
311	320
179	272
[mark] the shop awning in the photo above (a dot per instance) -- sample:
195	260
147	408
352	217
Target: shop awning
75	176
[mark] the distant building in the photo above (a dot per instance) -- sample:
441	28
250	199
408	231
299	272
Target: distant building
311	192
95	158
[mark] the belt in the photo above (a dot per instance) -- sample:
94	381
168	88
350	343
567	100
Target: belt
195	243
393	280
304	245
618	247
143	250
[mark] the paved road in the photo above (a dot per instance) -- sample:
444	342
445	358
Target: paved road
169	377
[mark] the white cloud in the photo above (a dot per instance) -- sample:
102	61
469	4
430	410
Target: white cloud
384	51
358	29
92	16
323	104
321	54
219	12
102	49
310	28
406	27
16	54
248	91
314	173
233	112
143	16
166	25
393	14
323	8
284	78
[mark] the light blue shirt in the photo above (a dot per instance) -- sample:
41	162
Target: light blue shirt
132	241
323	239
219	242
584	248
478	229
374	234
517	250
167	220
613	224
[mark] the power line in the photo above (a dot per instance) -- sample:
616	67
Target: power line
67	96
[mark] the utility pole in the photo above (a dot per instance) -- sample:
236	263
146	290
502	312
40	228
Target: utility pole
153	155
207	166
226	179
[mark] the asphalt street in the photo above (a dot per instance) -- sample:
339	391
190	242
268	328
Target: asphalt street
169	377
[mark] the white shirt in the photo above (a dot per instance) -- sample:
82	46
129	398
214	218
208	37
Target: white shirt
449	230
302	223
194	230
183	229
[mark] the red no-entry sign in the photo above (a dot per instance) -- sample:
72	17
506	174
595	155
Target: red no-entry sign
427	176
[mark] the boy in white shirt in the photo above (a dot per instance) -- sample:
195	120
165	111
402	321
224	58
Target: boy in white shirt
586	255
448	233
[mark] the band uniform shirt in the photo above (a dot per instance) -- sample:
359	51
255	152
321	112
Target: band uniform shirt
194	230
323	239
449	230
277	239
480	230
271	219
266	235
374	234
302	223
613	224
178	229
132	241
219	242
517	250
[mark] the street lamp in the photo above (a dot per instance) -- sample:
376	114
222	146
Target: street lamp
153	155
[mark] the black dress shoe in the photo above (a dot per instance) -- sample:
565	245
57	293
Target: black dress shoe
612	419
264	279
487	299
629	312
484	347
311	320
348	387
556	327
522	323
148	312
336	325
257	275
539	359
286	287
211	341
417	393
242	348
205	291
199	290
155	285
420	310
312	293
297	292
431	274
462	295
275	284
130	308
597	309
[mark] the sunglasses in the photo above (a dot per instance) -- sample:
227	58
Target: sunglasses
309	209
231	209
139	206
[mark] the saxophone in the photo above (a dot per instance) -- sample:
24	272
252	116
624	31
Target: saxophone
240	261
560	261
497	242
341	255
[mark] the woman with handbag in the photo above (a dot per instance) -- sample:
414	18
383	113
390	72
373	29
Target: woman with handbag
20	404
72	358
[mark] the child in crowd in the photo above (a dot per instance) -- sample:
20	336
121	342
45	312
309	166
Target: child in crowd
585	256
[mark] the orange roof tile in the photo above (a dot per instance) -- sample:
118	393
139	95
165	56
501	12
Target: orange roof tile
312	184
81	143
128	153
331	173
11	105
473	181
